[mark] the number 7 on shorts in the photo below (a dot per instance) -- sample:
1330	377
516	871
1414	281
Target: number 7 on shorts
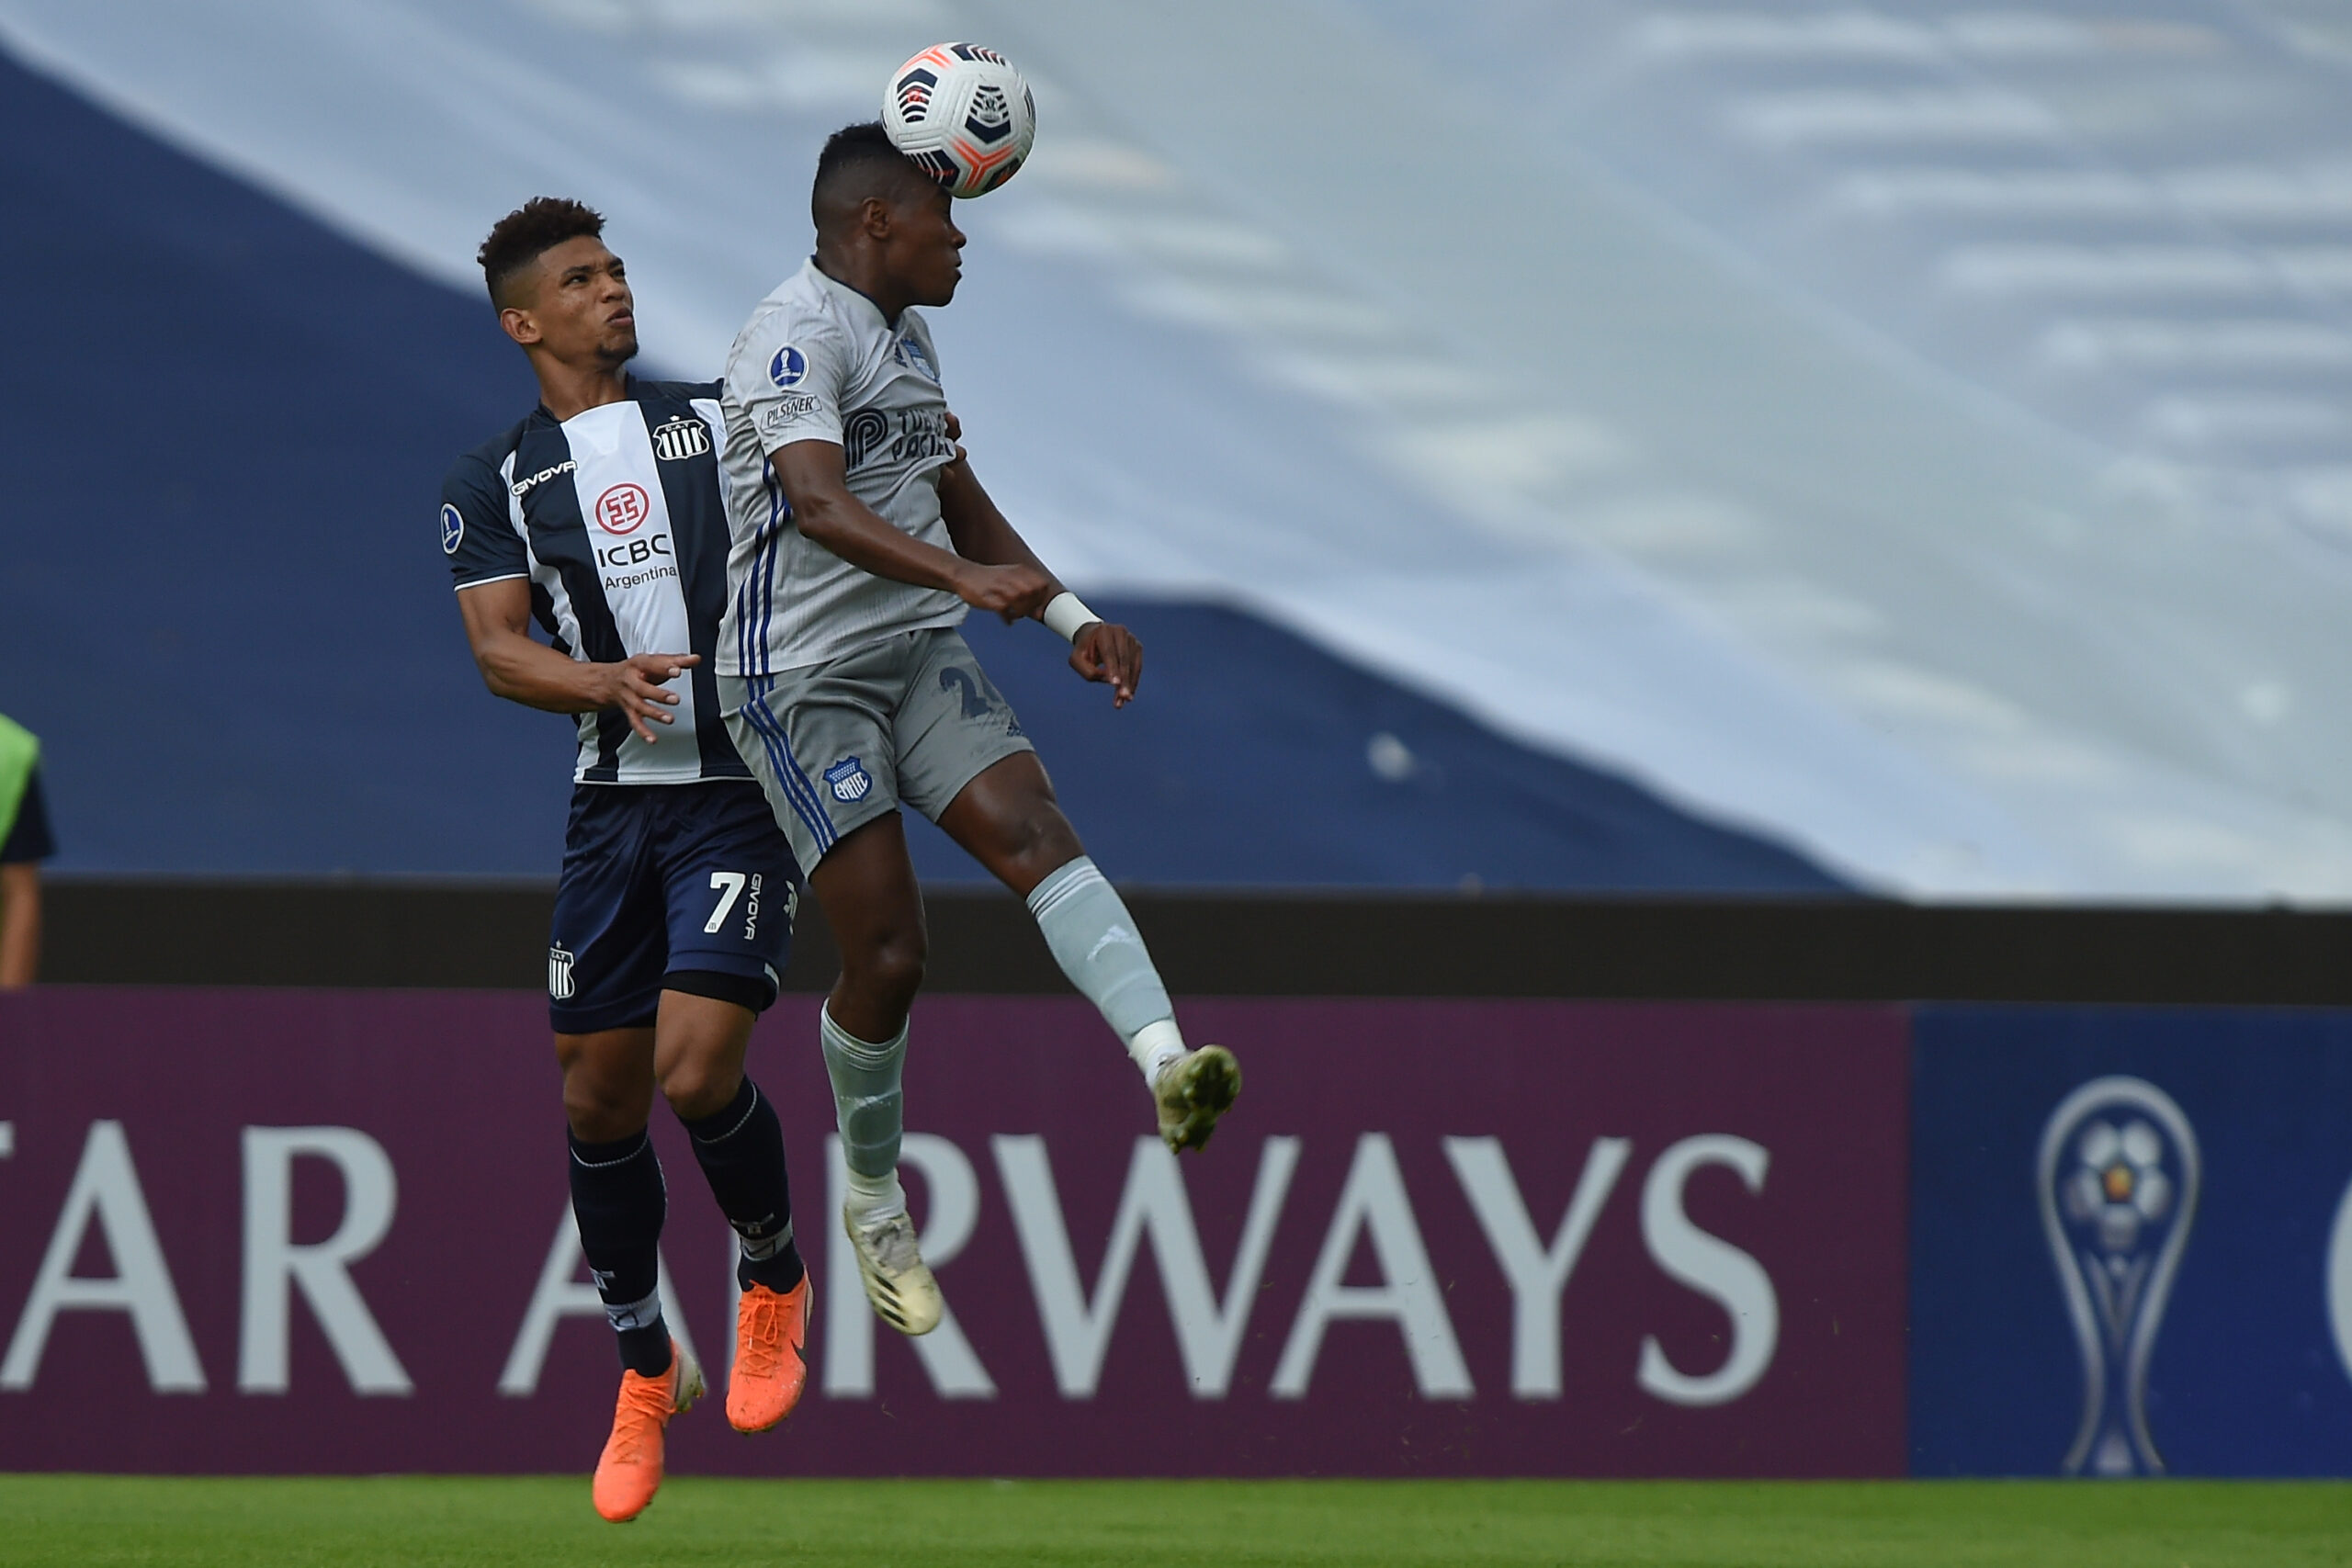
732	882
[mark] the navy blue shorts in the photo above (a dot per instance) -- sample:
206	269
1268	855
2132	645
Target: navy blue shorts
661	880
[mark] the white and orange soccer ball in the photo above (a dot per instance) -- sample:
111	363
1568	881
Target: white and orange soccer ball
964	114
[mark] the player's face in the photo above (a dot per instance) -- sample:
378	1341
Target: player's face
584	309
926	248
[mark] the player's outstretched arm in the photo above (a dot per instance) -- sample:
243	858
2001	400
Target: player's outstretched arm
1099	650
516	666
816	481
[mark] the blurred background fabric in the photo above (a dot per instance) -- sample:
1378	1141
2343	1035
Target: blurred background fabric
1737	448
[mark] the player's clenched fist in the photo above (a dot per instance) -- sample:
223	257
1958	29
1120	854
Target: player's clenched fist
1012	591
635	686
1112	655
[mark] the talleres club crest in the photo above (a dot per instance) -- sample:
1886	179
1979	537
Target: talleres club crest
2118	1180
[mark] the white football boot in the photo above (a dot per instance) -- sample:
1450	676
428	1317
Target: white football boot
897	1280
1191	1092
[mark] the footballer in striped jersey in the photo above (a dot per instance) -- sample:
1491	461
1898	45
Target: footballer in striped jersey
599	517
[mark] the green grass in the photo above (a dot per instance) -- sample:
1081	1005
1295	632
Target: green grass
101	1521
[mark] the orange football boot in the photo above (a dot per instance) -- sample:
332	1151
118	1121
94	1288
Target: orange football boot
771	1368
629	1471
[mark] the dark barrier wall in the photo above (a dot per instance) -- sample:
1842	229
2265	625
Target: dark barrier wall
1260	943
2132	1242
311	1231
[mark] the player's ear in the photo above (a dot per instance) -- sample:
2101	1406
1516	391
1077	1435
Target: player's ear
874	217
519	325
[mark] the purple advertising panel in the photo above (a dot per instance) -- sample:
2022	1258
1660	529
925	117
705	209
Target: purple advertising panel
284	1231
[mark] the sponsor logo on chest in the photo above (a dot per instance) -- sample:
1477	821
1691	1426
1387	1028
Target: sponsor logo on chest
623	508
915	434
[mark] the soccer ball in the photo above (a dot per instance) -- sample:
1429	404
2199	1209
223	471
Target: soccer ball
964	114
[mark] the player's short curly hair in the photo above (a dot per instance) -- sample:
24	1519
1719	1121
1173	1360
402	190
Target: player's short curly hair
859	161
528	232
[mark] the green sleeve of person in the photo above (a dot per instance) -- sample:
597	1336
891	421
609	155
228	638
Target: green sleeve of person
19	751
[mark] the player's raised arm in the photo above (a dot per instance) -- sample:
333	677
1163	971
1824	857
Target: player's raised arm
1101	651
520	668
815	478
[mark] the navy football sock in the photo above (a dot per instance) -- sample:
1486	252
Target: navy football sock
618	1200
741	1150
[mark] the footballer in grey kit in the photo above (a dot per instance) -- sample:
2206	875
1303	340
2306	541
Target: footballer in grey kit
818	362
861	539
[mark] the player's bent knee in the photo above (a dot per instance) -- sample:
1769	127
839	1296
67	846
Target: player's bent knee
697	1089
1040	845
887	972
1052	842
601	1114
608	1083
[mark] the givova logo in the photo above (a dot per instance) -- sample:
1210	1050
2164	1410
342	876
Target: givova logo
523	486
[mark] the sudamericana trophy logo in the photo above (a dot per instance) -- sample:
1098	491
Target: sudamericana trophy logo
2117	1179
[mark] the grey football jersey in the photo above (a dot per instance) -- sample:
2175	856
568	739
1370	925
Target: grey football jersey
816	362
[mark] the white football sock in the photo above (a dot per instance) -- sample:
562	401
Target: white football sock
1155	1045
872	1199
1094	939
870	1110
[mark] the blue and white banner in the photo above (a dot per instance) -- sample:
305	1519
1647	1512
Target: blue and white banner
2130	1242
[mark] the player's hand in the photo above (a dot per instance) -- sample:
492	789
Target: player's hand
1014	593
1110	655
635	686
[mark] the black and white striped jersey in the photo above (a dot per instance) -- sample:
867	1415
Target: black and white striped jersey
616	517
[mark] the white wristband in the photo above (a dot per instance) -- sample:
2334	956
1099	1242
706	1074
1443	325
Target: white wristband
1068	616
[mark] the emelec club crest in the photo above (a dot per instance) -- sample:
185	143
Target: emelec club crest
850	779
680	438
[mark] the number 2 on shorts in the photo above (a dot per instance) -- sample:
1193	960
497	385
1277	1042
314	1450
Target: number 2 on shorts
732	882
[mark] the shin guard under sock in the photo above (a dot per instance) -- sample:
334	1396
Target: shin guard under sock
1094	939
618	1202
871	1112
741	1150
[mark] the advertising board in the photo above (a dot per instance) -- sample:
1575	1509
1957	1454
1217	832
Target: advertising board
2132	1242
287	1231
